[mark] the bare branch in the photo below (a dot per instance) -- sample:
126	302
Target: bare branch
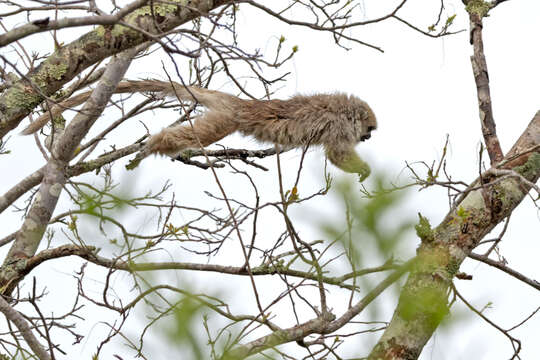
516	344
325	324
501	266
233	270
21	324
47	25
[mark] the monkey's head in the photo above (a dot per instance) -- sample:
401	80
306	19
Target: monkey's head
363	118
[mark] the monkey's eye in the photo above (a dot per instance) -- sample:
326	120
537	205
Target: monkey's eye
371	128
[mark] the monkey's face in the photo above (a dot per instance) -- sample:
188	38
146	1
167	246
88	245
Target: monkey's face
364	120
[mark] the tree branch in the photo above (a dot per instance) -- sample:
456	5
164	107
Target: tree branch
499	265
54	177
481	79
233	270
423	301
21	324
47	25
70	60
324	324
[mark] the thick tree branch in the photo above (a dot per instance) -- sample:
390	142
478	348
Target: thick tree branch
74	101
47	25
70	60
423	299
54	177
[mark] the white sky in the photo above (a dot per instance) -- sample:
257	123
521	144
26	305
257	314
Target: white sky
420	89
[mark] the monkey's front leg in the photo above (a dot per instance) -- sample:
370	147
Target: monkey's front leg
347	159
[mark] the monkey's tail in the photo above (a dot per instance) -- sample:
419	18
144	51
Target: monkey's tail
164	87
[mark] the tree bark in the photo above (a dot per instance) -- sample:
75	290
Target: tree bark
423	301
104	41
55	174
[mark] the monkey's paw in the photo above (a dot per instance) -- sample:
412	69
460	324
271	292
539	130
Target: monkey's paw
355	164
363	173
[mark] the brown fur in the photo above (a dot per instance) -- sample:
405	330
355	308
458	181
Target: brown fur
336	121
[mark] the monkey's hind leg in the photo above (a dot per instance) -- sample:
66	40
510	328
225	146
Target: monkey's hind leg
209	128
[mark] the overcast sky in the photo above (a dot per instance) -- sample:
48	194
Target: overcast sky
421	89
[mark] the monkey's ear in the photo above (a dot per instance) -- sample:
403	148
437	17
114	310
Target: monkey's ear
349	161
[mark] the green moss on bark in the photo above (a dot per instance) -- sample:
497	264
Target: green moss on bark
531	167
478	7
